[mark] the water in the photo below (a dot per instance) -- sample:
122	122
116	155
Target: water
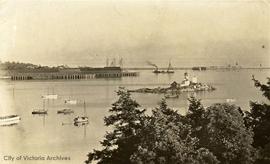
46	135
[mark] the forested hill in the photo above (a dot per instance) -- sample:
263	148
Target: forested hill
28	67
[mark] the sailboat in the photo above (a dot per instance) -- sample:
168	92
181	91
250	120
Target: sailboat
71	101
81	119
40	111
50	96
170	68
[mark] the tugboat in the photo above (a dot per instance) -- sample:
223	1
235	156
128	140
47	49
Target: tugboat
169	69
156	70
65	111
40	111
9	120
81	119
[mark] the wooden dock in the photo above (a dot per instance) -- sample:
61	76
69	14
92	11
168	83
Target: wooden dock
70	75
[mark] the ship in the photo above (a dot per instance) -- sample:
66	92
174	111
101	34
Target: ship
9	120
169	69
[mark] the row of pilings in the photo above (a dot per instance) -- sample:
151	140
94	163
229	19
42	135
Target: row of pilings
58	76
42	76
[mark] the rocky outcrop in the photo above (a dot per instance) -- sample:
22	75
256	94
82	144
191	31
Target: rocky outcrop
176	89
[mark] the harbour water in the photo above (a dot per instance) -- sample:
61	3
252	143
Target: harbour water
55	135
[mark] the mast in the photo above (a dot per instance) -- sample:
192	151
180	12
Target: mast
170	66
121	62
84	107
107	62
43	104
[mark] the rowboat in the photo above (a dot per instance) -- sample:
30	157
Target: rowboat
65	111
39	111
9	120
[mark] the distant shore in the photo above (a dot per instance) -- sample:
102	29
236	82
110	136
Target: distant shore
190	68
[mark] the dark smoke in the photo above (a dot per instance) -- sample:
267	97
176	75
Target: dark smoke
152	64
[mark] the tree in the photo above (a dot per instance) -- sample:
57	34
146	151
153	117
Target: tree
225	134
167	140
259	120
195	116
127	120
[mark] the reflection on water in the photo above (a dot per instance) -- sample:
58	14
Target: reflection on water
56	134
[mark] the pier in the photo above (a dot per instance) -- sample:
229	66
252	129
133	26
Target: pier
73	74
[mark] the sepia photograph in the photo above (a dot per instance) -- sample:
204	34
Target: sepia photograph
134	81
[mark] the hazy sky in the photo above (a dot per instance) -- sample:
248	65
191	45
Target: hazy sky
187	32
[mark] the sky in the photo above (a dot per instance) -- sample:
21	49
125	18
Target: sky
87	32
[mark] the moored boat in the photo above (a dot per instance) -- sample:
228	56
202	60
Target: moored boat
52	96
170	68
65	111
71	102
81	119
39	111
9	120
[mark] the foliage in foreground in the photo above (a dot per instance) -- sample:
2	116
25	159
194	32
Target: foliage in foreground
259	120
216	134
220	133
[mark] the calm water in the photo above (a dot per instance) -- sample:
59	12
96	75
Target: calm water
42	136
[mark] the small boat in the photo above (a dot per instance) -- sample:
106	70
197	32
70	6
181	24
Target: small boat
72	102
80	124
230	100
52	97
39	111
170	71
170	68
81	119
9	120
65	111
